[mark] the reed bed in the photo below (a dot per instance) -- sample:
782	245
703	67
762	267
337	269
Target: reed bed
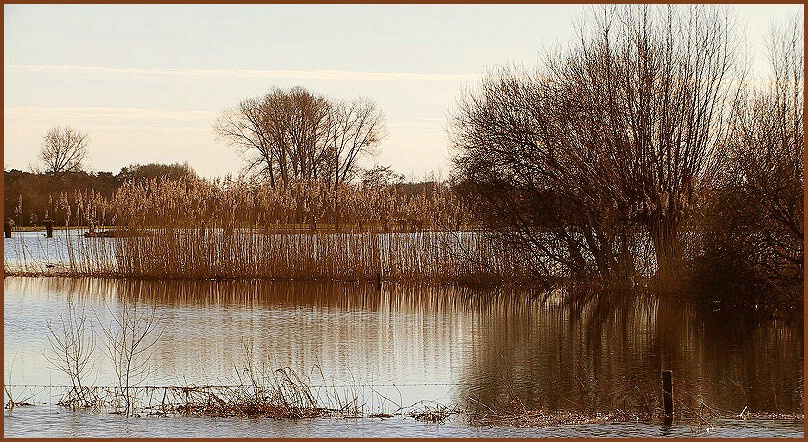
216	253
67	254
304	205
197	229
242	229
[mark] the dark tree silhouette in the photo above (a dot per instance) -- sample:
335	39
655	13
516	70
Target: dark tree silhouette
63	150
297	135
607	142
756	209
138	172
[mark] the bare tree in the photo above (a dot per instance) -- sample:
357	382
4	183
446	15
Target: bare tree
354	130
72	346
297	135
63	150
572	162
243	128
757	208
279	135
506	173
130	335
651	92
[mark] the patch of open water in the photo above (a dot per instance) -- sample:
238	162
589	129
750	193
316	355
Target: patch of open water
401	345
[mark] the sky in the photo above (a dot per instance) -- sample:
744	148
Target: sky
148	81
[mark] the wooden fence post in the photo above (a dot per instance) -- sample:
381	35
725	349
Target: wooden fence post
48	228
667	395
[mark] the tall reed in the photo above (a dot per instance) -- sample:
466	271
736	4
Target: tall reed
196	229
208	253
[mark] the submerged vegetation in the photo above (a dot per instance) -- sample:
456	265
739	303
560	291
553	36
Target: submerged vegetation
258	388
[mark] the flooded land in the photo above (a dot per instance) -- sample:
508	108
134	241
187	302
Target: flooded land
397	349
216	222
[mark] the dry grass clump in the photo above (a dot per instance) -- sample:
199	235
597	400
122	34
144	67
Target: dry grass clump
515	413
289	399
280	393
83	398
432	412
11	399
11	403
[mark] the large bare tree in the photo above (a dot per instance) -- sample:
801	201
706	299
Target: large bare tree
289	135
611	136
650	89
758	206
63	150
277	134
355	129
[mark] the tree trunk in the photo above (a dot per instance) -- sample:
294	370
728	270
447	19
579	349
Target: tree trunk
667	247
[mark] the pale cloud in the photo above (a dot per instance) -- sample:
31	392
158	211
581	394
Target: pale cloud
420	125
248	73
108	114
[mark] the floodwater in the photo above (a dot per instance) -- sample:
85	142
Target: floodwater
32	252
69	251
397	346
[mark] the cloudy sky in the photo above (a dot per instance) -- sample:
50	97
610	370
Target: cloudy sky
147	81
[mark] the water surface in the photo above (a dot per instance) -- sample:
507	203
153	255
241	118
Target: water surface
398	346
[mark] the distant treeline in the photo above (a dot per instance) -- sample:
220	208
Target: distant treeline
174	195
30	196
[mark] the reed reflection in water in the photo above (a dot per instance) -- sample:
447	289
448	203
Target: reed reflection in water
452	345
